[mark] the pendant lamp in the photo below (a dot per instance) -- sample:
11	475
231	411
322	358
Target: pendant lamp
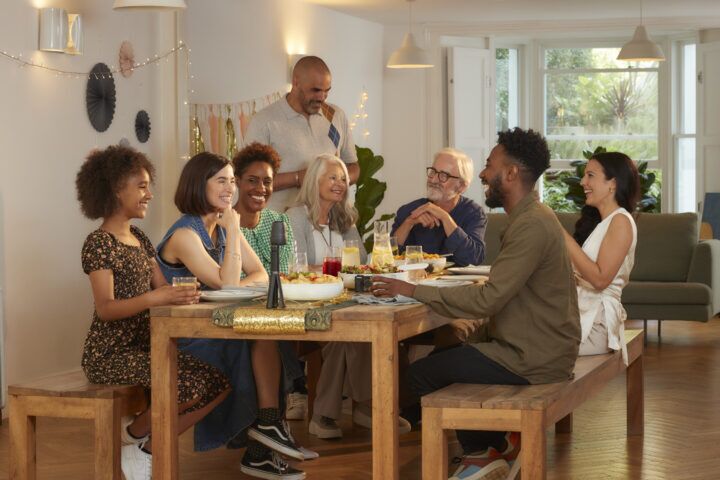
409	55
149	4
641	48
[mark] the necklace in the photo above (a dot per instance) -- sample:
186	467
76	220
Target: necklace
322	233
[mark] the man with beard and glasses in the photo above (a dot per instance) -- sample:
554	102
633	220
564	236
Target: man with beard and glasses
445	222
533	332
302	126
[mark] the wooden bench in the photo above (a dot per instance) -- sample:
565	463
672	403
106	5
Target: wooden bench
70	396
527	409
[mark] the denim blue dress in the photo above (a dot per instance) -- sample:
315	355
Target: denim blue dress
229	420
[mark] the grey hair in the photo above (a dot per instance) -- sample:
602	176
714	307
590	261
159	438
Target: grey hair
343	215
465	163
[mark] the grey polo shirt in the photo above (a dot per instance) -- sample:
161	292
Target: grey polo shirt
299	140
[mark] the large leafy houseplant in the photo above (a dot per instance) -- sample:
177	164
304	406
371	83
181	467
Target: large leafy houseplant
370	193
649	197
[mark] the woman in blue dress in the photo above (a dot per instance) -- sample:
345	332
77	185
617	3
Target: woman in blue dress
206	242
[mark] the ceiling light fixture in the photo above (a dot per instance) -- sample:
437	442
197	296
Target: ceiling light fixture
149	4
641	48
409	55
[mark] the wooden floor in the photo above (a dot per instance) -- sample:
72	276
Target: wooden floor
681	441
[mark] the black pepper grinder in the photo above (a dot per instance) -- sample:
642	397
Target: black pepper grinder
277	238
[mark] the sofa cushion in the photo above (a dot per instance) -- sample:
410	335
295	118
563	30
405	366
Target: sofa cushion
666	293
664	247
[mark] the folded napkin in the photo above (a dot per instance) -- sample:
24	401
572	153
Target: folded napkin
365	299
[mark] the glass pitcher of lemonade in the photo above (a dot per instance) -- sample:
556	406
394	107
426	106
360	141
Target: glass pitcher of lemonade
382	255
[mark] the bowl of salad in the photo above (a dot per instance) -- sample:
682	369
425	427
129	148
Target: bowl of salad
310	286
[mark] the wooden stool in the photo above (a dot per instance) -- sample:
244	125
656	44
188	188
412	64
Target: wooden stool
70	396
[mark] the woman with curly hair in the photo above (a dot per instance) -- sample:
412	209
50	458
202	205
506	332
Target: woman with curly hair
324	216
603	250
206	242
255	169
114	184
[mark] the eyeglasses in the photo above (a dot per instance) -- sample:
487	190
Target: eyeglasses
442	176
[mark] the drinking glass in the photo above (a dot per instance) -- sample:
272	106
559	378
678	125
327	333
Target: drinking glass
332	261
300	263
394	246
414	254
351	253
184	282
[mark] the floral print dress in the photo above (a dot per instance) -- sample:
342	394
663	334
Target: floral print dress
118	351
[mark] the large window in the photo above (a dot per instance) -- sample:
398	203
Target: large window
507	91
592	99
684	139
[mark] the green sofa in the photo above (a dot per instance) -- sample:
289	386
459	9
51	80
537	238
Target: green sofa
676	276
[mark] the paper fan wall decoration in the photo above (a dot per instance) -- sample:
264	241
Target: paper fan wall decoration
142	126
100	97
127	59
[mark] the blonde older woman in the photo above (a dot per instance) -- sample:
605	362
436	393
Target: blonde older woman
324	217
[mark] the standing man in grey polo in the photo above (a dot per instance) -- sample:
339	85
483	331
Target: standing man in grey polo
302	126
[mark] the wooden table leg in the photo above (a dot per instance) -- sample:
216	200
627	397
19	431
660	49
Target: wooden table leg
434	445
385	443
22	441
635	397
107	440
163	360
534	446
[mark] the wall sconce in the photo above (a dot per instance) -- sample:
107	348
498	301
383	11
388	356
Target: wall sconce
292	60
60	32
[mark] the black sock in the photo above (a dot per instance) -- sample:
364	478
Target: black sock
256	450
127	429
269	415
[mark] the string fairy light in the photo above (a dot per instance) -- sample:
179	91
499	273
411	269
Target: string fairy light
156	59
360	116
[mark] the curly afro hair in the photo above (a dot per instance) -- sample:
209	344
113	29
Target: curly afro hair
529	149
103	174
255	152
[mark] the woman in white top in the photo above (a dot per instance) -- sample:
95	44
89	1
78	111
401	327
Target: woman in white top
606	230
323	218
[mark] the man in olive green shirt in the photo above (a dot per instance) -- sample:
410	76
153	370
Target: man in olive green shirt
530	298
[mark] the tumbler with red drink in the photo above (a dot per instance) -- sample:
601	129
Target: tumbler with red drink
332	261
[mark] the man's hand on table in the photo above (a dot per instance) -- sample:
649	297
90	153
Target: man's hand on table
390	287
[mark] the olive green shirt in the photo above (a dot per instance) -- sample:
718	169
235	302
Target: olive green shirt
530	298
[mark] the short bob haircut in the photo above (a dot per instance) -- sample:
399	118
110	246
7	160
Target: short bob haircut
103	174
256	152
343	214
191	196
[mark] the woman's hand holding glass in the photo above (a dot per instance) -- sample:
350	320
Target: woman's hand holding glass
176	294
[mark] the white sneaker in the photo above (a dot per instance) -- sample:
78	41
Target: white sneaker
296	406
360	417
135	464
324	427
125	436
497	470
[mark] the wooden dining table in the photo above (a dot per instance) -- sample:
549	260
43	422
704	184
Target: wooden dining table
383	326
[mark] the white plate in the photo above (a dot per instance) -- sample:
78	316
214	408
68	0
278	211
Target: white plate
312	291
413	266
229	295
471	270
349	278
436	282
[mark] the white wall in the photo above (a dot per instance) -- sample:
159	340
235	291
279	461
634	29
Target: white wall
240	47
45	135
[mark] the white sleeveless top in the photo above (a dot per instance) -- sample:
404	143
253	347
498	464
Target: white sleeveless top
604	305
